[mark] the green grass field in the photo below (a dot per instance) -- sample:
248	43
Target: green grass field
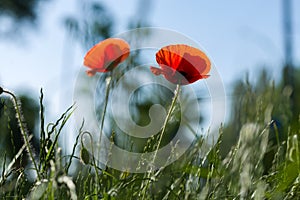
255	157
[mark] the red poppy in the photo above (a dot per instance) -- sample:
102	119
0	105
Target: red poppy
106	55
182	64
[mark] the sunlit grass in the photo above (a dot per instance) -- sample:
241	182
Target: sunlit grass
254	168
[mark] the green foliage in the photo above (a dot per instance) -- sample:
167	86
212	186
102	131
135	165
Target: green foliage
263	163
262	103
11	137
257	155
16	14
20	10
94	25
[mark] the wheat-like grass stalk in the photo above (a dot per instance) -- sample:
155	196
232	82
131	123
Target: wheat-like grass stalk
23	129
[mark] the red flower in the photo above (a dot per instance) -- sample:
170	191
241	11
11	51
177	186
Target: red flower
182	64
106	55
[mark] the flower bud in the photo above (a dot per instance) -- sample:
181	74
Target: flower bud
84	155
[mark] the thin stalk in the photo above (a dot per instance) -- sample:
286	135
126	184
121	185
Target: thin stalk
176	94
11	164
93	158
20	119
42	130
74	147
105	107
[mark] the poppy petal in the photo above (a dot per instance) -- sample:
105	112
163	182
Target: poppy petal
91	72
191	63
106	55
205	76
156	71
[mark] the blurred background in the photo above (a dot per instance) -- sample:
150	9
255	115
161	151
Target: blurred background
43	42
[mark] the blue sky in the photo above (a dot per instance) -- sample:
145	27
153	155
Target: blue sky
239	36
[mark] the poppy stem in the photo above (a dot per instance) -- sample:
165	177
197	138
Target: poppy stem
176	94
109	81
172	106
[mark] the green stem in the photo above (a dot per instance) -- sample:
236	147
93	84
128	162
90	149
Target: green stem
176	94
105	107
93	159
23	130
104	110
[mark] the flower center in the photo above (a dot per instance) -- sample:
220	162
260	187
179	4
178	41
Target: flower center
182	76
183	73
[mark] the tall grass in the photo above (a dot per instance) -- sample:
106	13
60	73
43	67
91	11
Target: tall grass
254	168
